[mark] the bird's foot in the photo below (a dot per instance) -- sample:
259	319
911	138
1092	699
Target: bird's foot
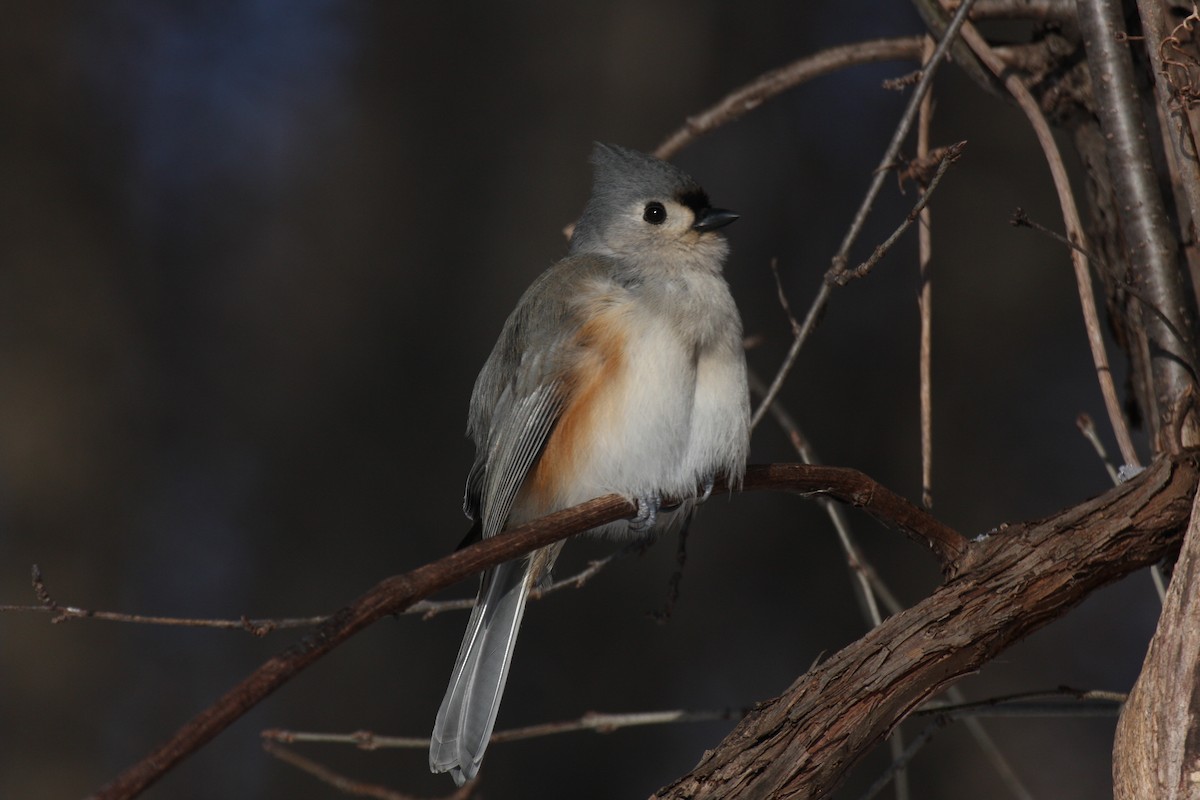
647	511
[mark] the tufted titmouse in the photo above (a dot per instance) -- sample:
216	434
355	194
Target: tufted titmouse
621	370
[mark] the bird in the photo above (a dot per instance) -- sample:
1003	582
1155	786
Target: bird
621	370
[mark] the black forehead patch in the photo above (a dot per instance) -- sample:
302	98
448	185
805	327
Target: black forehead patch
695	199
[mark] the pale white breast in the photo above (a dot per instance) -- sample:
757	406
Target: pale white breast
678	412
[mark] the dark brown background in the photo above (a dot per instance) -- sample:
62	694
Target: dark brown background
252	256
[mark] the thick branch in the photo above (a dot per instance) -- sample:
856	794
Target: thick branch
853	487
1151	245
1011	583
1157	751
1174	115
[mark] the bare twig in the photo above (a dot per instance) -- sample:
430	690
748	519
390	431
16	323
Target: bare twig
860	218
387	597
783	301
1063	701
867	583
1086	704
1088	429
593	721
925	303
840	276
349	786
60	613
1074	227
1044	10
263	626
770	84
900	762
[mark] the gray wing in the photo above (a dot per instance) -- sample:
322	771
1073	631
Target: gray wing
518	398
522	390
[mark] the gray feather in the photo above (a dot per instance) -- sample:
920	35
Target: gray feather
468	713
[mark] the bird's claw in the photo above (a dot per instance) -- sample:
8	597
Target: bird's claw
647	512
709	481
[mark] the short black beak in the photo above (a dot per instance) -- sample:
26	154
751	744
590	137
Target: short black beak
712	218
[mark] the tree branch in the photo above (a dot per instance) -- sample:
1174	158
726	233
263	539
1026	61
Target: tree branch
393	595
1157	749
1010	583
1150	244
745	99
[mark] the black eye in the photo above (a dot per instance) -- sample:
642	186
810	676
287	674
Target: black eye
655	214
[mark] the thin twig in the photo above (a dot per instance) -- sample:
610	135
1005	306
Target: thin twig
349	786
1086	704
663	615
1027	703
1042	10
1020	219
770	84
925	303
867	583
860	218
593	721
840	276
1066	199
783	301
898	764
1088	429
261	627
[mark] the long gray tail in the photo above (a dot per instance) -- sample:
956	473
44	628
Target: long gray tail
468	713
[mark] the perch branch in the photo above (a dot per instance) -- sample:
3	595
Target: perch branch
393	595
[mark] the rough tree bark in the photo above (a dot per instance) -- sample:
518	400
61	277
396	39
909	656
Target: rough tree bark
802	743
1157	749
1157	752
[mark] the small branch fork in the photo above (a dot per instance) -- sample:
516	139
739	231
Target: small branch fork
947	156
426	609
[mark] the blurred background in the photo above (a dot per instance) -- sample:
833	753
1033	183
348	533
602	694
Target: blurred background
252	256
